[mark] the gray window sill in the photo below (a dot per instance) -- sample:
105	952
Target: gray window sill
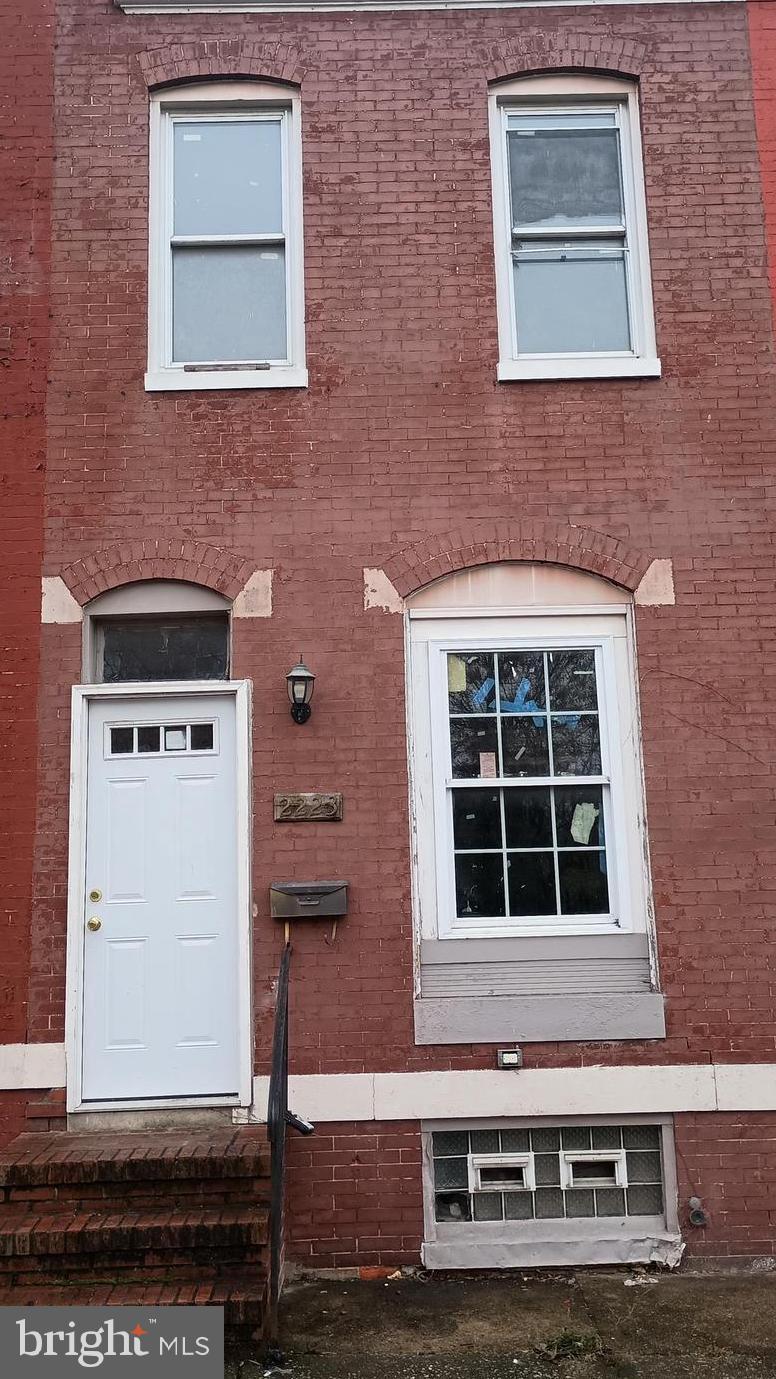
560	1018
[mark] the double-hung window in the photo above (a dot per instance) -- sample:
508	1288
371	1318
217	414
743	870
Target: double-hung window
225	301
570	228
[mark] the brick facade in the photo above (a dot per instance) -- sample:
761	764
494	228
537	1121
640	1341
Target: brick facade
405	454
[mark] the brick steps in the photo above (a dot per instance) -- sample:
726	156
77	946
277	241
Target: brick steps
140	1218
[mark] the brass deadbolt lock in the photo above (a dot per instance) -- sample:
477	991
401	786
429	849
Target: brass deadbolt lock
94	924
95	895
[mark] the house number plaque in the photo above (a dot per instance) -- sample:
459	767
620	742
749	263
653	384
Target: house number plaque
316	807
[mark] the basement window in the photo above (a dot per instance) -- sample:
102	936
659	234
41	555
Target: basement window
521	1194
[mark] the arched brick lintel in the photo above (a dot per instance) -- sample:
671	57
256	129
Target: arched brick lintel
157	558
210	59
580	52
545	542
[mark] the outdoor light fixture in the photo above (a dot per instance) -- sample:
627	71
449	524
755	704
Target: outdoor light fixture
300	683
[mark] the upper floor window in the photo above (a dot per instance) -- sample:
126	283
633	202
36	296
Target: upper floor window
226	303
572	261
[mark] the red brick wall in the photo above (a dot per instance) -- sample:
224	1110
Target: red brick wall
762	40
355	1195
403	436
26	93
729	1161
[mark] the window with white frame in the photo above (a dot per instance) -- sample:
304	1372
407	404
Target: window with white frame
526	772
226	303
572	260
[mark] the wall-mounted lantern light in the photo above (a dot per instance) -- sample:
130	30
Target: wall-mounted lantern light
300	683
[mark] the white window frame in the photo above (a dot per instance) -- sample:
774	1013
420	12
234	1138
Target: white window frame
562	94
225	101
610	634
477	1162
570	1157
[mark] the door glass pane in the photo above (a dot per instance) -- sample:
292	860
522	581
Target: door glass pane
229	304
570	298
228	177
564	176
156	649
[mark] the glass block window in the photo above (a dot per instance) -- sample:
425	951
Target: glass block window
528	784
195	648
618	1173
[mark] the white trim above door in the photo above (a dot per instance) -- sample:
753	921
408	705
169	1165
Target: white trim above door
89	1092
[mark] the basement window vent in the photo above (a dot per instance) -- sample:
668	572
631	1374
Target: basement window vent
547	1172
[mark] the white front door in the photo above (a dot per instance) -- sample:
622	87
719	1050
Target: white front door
160	924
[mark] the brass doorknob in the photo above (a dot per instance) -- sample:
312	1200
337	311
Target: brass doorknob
94	924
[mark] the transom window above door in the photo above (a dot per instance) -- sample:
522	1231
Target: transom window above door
574	290
225	279
159	648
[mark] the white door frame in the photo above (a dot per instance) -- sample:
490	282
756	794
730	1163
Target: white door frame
83	696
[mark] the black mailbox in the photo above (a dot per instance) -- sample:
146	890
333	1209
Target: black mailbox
308	899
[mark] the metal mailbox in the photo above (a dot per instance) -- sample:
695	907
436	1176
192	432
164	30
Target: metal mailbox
308	899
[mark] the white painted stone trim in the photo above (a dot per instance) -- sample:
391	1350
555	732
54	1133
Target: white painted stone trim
31	1065
380	593
592	1091
255	599
657	586
355	6
57	603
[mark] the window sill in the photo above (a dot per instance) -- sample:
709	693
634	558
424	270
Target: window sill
555	1019
175	380
607	366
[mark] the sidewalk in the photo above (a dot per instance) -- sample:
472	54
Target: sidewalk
566	1326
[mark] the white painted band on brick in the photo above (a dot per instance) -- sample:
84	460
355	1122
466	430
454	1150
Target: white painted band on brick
532	1092
657	586
27	1066
380	593
255	598
354	6
57	603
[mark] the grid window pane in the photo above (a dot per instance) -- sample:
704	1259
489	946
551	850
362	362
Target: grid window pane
521	682
477	819
641	1136
580	1202
488	1206
610	1201
528	817
229	304
572	680
526	747
518	1206
576	745
453	1206
479	884
579	816
545	1140
548	1203
485	1141
450	1142
606	1136
564	175
643	1167
547	1169
583	885
471	683
570	298
531	883
645	1201
576	1136
515	1141
451	1173
228	177
474	746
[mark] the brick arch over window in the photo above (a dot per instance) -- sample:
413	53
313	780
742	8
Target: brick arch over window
157	558
485	543
593	52
222	59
